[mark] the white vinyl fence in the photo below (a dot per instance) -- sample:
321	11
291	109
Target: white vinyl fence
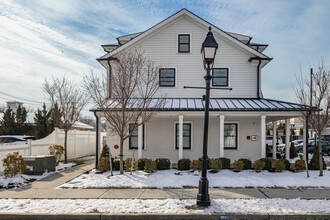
80	144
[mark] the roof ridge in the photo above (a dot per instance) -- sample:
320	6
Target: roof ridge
104	57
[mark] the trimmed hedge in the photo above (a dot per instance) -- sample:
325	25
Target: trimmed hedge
280	165
184	164
140	163
225	162
163	164
247	163
150	166
238	165
196	165
268	163
208	162
116	164
300	165
259	165
286	163
215	165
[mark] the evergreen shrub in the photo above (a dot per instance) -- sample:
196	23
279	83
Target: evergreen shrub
184	164
225	162
247	163
238	165
259	165
163	164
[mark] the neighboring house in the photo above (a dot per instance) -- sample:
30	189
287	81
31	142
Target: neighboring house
238	118
82	126
13	105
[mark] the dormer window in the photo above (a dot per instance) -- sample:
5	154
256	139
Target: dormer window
220	77
184	43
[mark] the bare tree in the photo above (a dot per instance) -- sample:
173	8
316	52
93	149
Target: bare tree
134	82
70	100
320	97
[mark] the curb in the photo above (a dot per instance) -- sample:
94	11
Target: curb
144	216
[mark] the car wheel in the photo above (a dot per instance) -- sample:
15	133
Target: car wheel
328	152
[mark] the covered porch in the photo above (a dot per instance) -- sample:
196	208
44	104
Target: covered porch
237	129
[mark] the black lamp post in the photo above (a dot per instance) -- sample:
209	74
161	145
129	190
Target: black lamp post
209	49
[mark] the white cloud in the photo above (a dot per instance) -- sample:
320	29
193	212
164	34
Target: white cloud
40	38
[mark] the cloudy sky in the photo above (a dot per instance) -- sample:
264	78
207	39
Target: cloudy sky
43	38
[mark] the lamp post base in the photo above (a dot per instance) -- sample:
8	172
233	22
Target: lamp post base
203	197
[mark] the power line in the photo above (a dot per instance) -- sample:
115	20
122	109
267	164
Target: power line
23	99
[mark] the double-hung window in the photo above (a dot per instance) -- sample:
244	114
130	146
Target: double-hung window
230	135
186	136
167	77
220	77
184	43
133	139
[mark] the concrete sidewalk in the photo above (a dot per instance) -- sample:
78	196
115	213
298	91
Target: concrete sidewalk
46	189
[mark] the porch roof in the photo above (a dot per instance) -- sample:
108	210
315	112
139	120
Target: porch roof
223	104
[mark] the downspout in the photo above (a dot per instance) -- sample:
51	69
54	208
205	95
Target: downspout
97	140
258	80
109	78
258	71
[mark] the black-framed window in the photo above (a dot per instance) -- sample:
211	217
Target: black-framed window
230	135
133	139
186	136
220	76
184	43
167	77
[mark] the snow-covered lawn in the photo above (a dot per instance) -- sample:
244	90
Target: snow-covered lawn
22	179
224	178
252	206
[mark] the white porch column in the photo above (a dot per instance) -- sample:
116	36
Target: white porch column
287	139
274	140
140	139
180	137
305	139
263	136
222	135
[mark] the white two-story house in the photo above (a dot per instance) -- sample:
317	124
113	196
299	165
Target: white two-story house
238	117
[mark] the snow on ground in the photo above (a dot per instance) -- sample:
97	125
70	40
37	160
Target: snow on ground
252	206
22	179
224	178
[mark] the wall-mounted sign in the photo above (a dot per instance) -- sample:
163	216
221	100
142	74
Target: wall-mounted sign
116	146
254	137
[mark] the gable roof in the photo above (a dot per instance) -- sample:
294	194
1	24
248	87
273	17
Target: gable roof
185	12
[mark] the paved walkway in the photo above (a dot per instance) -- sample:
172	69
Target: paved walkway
46	189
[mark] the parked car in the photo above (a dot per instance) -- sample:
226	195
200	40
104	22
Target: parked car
311	147
269	140
296	142
15	139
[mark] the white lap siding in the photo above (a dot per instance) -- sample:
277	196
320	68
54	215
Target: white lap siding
160	139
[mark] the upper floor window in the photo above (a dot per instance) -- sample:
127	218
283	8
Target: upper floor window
167	77
184	43
133	139
220	77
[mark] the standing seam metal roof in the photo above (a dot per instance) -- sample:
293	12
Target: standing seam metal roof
224	104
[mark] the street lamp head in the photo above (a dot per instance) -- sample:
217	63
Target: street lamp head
209	48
